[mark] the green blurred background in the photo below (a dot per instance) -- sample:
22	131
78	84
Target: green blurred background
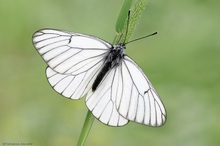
182	62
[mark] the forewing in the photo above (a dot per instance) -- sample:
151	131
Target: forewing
137	99
67	52
101	102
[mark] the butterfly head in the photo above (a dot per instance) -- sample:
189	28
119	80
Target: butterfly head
121	46
119	49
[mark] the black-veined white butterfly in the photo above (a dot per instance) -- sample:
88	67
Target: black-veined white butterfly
117	89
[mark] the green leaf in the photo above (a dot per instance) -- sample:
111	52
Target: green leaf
123	15
135	16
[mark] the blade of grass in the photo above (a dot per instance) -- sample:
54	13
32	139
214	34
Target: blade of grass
86	128
123	15
135	15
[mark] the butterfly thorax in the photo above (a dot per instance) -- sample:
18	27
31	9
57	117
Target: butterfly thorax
112	59
116	54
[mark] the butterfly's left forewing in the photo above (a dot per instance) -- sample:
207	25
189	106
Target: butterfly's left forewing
69	53
73	60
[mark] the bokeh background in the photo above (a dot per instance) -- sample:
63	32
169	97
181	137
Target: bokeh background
182	62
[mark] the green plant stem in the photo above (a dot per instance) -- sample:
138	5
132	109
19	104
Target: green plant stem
86	128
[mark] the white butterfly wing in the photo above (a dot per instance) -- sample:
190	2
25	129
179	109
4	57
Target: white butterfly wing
101	102
69	53
72	86
74	60
137	99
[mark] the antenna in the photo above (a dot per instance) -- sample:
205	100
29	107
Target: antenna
141	37
126	32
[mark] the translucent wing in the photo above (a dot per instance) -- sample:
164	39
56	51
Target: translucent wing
72	86
73	60
136	98
69	53
101	102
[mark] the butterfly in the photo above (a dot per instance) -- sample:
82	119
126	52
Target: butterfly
117	89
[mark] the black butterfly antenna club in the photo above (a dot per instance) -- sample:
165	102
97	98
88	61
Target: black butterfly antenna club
126	32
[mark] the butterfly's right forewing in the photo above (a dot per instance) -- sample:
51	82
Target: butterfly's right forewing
137	100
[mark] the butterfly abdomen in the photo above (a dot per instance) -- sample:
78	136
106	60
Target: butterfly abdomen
101	75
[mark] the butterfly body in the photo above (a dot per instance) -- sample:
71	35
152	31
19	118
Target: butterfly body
117	90
112	59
